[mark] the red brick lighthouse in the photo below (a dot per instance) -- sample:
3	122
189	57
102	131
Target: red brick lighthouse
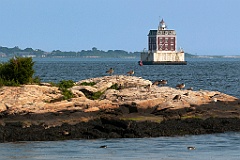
162	44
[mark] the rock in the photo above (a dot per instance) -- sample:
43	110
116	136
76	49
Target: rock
77	93
45	84
33	112
2	107
132	94
88	88
92	109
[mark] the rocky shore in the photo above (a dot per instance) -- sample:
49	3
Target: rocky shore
113	107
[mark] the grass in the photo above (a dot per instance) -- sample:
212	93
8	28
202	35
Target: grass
143	118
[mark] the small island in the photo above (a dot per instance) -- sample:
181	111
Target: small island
115	106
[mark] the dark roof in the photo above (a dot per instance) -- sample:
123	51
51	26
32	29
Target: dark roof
152	32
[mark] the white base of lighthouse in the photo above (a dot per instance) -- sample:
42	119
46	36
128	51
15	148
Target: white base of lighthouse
163	57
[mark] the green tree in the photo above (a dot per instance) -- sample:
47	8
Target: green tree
18	70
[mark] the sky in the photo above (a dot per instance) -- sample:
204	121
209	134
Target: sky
203	27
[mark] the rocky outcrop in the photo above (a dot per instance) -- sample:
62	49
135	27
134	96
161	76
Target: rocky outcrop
127	99
129	90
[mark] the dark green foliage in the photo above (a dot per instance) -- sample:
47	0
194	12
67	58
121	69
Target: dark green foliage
92	95
114	86
8	83
18	70
66	84
63	86
96	95
67	94
88	83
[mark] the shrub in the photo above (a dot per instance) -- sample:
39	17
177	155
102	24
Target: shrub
67	94
66	84
18	70
97	95
88	83
92	95
8	83
114	86
63	86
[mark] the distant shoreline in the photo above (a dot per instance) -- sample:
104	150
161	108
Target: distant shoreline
6	52
137	58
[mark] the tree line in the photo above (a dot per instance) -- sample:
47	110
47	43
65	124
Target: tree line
94	52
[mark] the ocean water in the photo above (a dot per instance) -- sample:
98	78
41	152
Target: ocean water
208	74
208	147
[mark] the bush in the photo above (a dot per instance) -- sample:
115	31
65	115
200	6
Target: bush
18	70
67	94
88	83
63	86
114	86
92	95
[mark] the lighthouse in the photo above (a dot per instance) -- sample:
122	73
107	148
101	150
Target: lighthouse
162	47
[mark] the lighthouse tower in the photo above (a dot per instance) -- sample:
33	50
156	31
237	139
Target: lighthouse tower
162	44
162	25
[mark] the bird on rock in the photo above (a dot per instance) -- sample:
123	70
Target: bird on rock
110	71
163	82
130	72
155	83
180	86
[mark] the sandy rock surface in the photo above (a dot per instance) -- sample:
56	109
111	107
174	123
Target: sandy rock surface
132	91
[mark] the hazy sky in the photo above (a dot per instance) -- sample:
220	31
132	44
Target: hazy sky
204	27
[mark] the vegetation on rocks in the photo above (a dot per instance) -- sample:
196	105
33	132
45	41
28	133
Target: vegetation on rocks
115	86
92	95
64	85
88	83
18	70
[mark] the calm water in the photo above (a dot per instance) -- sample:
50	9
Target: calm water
210	74
208	147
